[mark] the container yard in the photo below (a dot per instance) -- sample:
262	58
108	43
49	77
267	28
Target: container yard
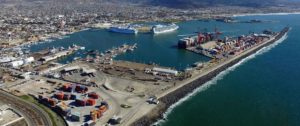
96	89
72	101
209	45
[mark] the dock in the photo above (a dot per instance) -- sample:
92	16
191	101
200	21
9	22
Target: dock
108	55
202	52
54	54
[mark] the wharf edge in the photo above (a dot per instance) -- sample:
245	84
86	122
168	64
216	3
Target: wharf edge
173	97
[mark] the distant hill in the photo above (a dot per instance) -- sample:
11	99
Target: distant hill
174	3
208	3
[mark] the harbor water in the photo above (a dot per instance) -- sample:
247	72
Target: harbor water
262	91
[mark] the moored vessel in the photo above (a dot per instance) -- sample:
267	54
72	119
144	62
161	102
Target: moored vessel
122	29
158	29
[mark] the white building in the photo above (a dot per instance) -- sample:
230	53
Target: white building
72	68
165	71
55	56
25	75
6	59
29	60
88	71
17	63
47	58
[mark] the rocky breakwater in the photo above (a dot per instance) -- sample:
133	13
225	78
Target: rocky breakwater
180	93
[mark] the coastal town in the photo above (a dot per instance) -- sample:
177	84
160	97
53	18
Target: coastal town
97	88
38	22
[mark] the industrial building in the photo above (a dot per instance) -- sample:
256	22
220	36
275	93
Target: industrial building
55	56
17	63
29	60
165	71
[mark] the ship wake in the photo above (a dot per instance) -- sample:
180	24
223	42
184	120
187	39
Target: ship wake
220	76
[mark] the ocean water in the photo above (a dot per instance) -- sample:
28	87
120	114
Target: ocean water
260	91
263	90
159	49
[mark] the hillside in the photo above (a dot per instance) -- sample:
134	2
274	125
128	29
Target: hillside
207	3
169	3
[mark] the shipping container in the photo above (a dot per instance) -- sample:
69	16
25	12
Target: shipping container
59	95
91	102
66	87
102	108
104	103
73	96
75	116
52	102
90	123
81	102
81	89
93	95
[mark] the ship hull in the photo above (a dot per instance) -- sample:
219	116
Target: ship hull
123	30
165	30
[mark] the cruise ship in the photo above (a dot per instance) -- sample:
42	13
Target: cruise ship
126	30
157	29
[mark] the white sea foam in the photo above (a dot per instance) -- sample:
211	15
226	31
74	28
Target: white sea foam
217	78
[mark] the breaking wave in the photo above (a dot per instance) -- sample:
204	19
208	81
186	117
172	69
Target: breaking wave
220	76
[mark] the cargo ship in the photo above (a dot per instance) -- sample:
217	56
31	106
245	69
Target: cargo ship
121	29
158	29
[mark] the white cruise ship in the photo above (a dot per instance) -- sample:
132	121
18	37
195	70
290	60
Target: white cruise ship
157	29
126	30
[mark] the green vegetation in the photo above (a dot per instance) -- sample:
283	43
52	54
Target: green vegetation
56	119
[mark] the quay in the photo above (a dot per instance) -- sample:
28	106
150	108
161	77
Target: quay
173	95
107	56
57	53
96	89
223	48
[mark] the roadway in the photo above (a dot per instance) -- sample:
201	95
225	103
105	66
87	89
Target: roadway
34	115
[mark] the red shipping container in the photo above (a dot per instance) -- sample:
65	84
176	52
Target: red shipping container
93	95
60	96
91	102
66	86
81	102
52	102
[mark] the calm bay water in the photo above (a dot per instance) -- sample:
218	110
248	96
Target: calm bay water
264	91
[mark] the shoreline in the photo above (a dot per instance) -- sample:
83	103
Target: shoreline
52	37
174	95
264	14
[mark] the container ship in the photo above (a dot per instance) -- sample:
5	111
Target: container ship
157	29
126	30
